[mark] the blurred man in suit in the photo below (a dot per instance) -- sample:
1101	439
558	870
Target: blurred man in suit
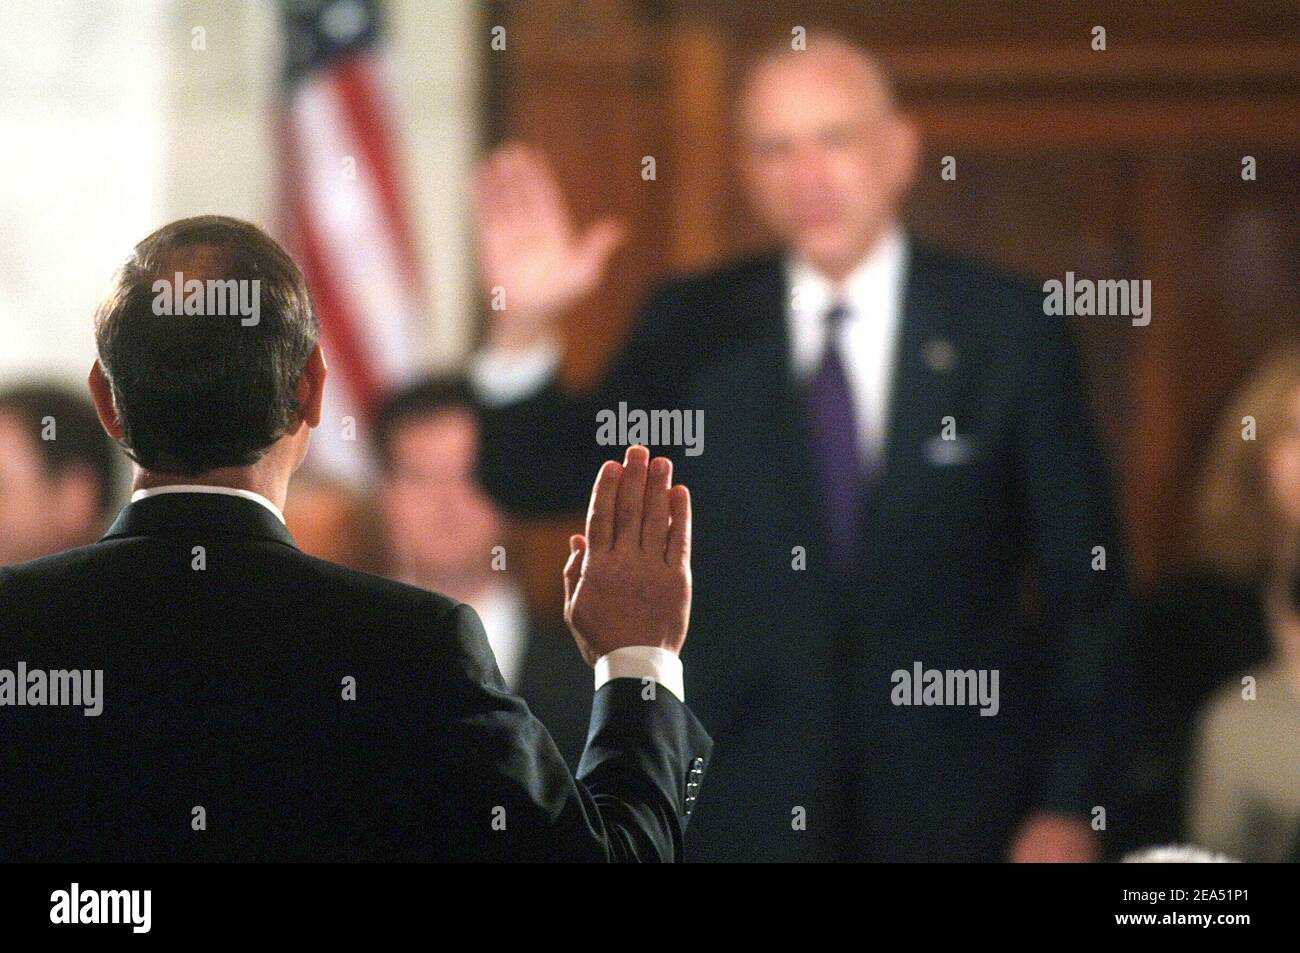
57	472
892	435
446	534
194	687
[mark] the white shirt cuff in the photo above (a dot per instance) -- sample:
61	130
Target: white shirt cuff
642	662
500	377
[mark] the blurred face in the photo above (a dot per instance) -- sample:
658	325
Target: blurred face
441	525
1283	466
39	513
24	496
826	159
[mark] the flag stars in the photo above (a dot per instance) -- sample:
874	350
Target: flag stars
344	20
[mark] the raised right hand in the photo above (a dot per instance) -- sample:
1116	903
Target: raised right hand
530	254
628	580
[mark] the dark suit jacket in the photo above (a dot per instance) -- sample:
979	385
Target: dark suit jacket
792	668
1196	632
556	683
224	690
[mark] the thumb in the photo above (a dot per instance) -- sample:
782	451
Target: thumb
600	241
573	568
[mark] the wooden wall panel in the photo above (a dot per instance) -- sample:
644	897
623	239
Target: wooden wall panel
583	80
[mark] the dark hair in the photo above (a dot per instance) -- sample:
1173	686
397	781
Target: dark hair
79	440
417	401
197	391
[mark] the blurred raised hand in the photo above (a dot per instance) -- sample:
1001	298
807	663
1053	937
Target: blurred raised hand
532	258
628	579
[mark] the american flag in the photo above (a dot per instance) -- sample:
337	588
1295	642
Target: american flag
344	220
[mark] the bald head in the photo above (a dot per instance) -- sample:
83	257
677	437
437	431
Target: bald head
829	54
826	155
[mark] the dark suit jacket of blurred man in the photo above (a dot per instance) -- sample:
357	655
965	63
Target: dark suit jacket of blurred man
793	669
224	690
540	663
556	683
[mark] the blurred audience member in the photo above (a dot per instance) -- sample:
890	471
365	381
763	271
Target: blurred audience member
330	521
444	533
1244	795
1214	622
56	473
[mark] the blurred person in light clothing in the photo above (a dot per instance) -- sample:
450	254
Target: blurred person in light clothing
445	533
1244	792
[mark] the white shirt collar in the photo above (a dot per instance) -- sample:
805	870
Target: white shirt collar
872	291
196	488
883	262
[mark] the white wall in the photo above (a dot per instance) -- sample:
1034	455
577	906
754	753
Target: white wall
83	162
112	124
437	67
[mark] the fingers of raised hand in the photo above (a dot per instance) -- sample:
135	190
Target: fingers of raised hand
573	568
601	513
635	506
655	522
678	552
630	506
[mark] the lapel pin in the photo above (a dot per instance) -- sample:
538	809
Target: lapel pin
940	355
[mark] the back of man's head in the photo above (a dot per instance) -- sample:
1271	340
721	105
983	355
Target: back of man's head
202	338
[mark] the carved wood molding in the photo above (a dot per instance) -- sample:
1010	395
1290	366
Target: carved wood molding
1273	65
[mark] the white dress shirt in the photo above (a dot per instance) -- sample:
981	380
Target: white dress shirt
504	616
643	662
198	488
868	335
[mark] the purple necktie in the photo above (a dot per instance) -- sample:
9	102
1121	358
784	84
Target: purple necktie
837	452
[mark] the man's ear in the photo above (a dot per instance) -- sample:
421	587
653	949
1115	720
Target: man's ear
904	145
311	388
102	394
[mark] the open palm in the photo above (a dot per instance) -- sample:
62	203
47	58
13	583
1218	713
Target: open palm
534	263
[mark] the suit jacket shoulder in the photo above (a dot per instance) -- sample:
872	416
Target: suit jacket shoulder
977	290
